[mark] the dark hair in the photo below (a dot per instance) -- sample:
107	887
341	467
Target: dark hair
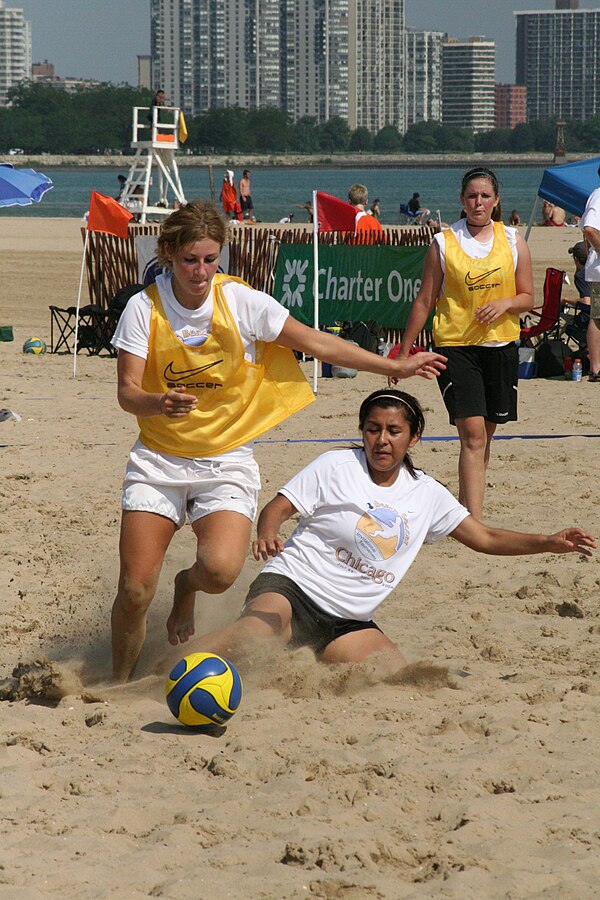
479	172
191	222
393	399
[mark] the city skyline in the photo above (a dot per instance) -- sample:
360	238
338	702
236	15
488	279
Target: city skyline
61	31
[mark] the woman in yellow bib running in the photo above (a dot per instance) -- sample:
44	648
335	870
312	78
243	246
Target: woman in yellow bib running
477	276
206	364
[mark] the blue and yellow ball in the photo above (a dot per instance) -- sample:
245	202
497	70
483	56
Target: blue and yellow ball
203	689
34	345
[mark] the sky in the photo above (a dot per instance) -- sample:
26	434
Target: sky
101	39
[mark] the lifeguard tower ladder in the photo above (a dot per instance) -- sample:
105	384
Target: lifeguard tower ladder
155	141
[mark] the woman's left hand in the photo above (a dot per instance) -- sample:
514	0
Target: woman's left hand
426	364
488	313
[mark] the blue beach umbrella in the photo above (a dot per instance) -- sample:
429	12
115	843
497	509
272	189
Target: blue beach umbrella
20	187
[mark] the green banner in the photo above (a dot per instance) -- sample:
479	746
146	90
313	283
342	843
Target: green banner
355	282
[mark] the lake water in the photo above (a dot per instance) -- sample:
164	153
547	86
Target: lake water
276	191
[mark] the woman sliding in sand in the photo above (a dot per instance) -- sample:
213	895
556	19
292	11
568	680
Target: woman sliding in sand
364	515
205	363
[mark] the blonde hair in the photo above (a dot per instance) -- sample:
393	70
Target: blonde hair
191	222
358	193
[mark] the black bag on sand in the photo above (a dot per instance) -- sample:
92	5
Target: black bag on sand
550	358
366	334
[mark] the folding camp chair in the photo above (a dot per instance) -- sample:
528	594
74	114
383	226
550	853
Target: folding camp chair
96	324
406	216
96	327
546	318
575	326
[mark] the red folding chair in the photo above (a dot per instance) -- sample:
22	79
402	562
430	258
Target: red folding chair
546	322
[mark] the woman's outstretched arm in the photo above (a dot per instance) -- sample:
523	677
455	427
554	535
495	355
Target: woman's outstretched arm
498	541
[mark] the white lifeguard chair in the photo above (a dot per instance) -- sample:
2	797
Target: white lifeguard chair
155	140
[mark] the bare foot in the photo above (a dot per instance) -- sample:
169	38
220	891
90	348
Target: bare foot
180	624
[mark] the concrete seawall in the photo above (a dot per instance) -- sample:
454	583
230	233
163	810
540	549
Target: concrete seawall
350	161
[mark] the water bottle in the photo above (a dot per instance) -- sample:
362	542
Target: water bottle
577	370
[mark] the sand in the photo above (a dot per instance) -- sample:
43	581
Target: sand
477	776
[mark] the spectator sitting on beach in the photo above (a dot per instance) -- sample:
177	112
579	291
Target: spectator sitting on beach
553	215
419	212
577	324
358	196
514	219
287	219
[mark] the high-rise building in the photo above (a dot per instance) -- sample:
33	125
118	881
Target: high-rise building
15	50
376	64
558	60
468	81
511	105
424	76
319	58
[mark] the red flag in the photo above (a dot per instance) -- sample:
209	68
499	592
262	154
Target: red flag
334	214
109	216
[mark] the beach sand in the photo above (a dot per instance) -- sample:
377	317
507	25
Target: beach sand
477	776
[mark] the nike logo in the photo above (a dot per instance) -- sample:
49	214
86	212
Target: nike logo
470	280
171	375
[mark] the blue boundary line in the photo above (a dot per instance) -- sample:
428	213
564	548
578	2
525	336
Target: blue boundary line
357	440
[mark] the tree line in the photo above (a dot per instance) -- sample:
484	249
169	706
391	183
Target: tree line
42	119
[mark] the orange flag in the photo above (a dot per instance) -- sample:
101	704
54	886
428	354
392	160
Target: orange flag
108	216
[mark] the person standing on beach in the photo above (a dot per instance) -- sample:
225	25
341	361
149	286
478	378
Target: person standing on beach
228	196
478	278
364	514
358	196
245	196
205	363
590	225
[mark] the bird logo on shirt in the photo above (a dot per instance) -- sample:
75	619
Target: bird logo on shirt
381	531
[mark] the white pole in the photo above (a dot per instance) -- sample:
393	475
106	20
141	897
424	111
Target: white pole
85	243
532	217
315	286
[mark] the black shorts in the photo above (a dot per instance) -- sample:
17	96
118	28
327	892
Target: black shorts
311	625
480	381
246	203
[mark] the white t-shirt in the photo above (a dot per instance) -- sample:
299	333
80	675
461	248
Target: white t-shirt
474	249
591	217
356	540
259	317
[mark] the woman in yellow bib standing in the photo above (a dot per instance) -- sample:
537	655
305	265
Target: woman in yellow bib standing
477	276
206	364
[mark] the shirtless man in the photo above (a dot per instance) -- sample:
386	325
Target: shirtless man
245	198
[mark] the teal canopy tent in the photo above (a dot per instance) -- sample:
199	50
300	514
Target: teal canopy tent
568	186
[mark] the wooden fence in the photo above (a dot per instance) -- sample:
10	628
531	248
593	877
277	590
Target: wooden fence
111	262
